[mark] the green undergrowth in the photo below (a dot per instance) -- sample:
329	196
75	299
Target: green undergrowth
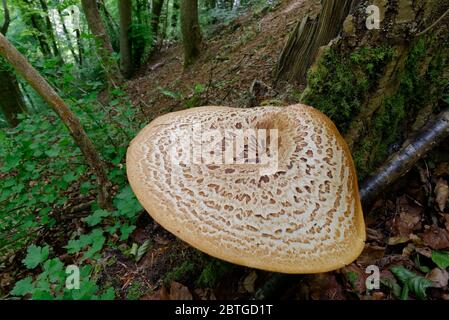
43	175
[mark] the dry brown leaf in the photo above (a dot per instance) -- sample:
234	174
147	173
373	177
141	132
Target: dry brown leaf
248	282
436	238
179	292
446	221
397	240
370	255
408	250
439	278
358	284
424	251
408	219
442	169
441	193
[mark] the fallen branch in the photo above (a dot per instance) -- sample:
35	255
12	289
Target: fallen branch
396	166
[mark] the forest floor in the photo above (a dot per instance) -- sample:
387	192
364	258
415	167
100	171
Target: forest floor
407	229
237	69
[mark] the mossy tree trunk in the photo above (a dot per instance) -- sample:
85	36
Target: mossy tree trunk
191	32
381	85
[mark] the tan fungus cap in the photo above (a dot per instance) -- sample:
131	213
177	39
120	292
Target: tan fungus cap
305	217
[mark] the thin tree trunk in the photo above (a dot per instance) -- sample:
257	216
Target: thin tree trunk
7	18
104	47
156	10
79	41
71	121
174	17
11	98
191	32
125	10
67	37
36	22
50	33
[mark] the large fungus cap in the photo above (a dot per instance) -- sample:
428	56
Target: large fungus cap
301	215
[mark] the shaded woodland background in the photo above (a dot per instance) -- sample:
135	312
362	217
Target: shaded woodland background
119	64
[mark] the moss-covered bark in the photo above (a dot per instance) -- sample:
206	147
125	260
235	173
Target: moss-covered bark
379	86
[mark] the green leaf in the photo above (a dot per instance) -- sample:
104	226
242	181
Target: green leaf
168	93
96	217
126	230
416	283
54	269
35	255
109	294
23	287
142	250
441	259
69	177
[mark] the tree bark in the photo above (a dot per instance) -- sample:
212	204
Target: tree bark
125	10
104	47
156	10
70	120
7	18
36	22
50	33
68	38
310	34
380	85
11	98
191	32
174	17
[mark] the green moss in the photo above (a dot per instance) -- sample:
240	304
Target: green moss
136	290
180	273
340	81
398	112
213	272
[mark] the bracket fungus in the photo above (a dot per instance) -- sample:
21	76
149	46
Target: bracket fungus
272	188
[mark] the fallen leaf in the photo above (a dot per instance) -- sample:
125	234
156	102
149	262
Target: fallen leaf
436	238
408	250
425	251
179	292
374	235
370	255
441	193
356	277
248	282
442	169
439	278
446	221
408	219
392	241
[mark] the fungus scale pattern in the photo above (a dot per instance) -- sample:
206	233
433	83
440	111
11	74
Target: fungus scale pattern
304	217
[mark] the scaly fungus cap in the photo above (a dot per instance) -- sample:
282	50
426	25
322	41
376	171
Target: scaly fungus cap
301	215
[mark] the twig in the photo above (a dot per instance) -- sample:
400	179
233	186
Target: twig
433	24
